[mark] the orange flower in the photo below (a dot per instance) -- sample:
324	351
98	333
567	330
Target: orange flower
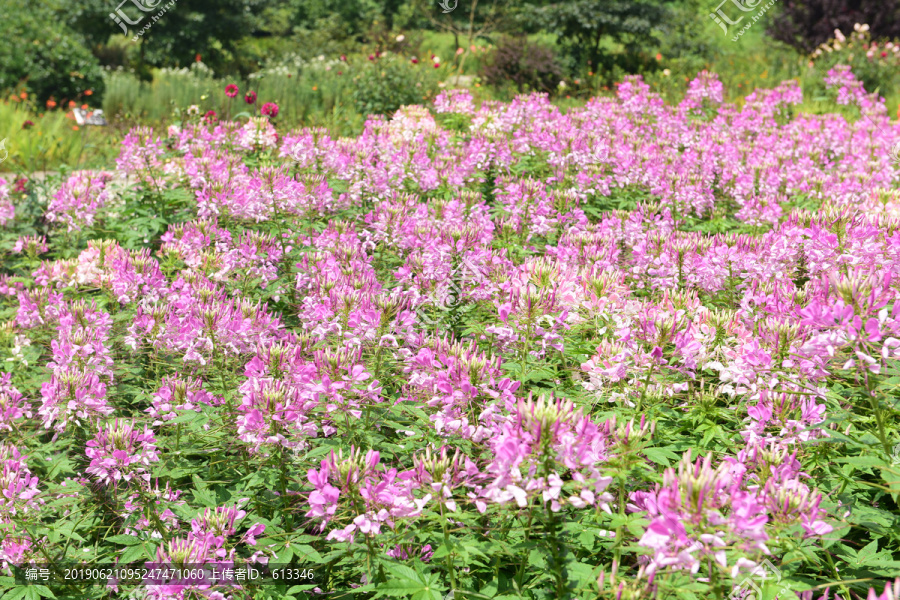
88	92
315	87
51	104
23	95
658	56
71	104
84	107
591	73
74	127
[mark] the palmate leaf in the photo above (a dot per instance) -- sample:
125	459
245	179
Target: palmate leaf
404	581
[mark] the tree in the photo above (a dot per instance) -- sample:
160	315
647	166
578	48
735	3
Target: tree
581	25
182	29
45	55
479	19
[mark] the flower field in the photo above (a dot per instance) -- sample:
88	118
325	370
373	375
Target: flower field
636	350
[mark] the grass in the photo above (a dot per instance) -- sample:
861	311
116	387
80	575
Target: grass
53	141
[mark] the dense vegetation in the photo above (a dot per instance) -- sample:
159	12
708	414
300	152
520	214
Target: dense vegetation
634	350
507	299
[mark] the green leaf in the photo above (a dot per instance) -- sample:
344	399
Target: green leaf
16	593
408	582
44	591
189	417
586	539
536	559
661	456
205	497
863	462
133	553
307	554
128	540
284	555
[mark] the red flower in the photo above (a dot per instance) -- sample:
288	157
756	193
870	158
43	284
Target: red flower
250	98
343	58
269	109
371	57
211	117
198	58
414	60
231	90
27	124
437	65
20	184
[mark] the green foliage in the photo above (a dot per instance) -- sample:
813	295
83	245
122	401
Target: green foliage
43	55
583	24
871	62
506	552
389	82
177	33
315	92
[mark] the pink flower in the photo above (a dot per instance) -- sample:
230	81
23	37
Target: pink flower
269	109
13	405
231	90
118	452
32	245
891	592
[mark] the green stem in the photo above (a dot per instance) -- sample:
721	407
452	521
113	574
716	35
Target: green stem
449	557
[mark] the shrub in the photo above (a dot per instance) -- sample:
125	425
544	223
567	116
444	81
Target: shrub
528	65
51	60
386	83
806	24
874	64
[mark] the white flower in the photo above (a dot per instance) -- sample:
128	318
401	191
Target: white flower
562	85
400	38
667	72
193	109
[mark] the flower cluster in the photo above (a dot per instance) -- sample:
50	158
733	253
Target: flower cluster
119	452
